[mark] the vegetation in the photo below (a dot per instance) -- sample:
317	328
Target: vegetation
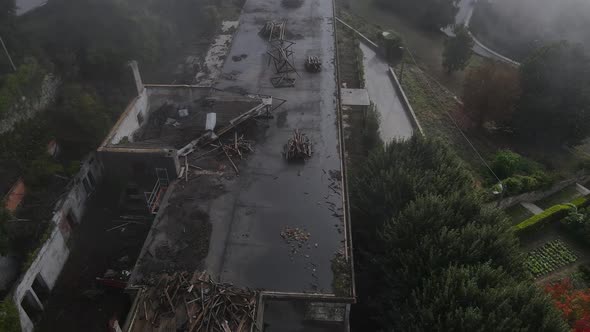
437	260
577	223
457	50
9	320
554	213
4	236
574	304
549	257
430	14
27	78
517	27
490	93
550	111
518	174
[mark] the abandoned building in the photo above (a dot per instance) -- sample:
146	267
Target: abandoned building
230	212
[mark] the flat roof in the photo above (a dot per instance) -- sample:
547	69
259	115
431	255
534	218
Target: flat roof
278	226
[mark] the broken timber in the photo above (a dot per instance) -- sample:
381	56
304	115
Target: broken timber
196	302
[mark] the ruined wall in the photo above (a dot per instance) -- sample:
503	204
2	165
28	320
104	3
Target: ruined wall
135	115
28	108
54	253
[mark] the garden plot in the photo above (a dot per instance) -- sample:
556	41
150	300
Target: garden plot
551	256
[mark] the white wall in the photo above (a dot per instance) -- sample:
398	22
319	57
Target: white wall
54	253
129	124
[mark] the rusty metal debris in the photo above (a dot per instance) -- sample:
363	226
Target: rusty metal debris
313	64
199	301
298	147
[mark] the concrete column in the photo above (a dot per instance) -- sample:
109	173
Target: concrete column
137	76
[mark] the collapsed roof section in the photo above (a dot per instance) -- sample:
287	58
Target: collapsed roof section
167	121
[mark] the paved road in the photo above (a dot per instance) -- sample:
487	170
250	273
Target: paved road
23	6
395	122
463	17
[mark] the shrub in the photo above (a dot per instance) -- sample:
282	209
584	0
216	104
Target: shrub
506	163
519	184
551	214
9	320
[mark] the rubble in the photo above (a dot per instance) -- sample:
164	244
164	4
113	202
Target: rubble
313	64
195	302
298	147
295	235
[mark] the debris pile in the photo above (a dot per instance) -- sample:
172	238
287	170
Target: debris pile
298	147
313	64
281	56
238	147
295	236
273	30
198	301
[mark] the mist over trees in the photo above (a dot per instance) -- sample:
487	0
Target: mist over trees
430	14
517	27
436	259
457	51
555	101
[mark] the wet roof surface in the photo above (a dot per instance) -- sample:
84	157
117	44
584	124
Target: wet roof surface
270	195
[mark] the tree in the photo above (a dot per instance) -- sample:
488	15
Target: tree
457	50
79	119
574	304
555	98
490	92
4	236
435	257
9	319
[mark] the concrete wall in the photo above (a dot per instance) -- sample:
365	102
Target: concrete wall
29	108
139	163
405	101
129	121
54	252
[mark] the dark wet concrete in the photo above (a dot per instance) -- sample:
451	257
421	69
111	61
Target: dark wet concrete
270	194
295	316
394	121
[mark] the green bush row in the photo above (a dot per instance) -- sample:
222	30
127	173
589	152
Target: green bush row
519	184
553	213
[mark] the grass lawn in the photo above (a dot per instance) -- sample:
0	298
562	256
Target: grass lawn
518	213
563	196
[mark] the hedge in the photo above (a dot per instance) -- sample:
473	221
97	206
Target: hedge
553	213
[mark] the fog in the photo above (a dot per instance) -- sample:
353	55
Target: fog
519	25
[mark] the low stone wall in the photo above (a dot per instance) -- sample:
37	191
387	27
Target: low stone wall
405	101
52	256
28	108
